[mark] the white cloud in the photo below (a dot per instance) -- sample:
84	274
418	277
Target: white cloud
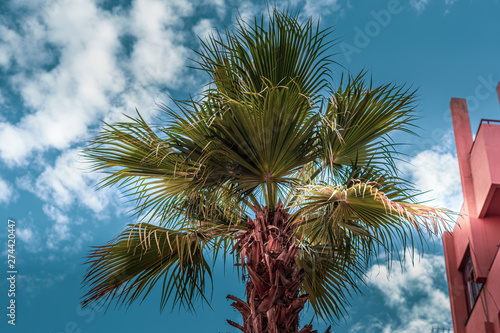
77	242
317	9
60	230
6	192
436	170
419	5
33	284
30	238
72	70
55	214
248	10
64	187
5	52
25	234
73	95
25	46
64	236
66	183
448	4
203	28
2	99
321	8
28	234
159	55
416	297
220	7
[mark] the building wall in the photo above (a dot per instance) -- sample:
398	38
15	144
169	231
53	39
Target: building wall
477	232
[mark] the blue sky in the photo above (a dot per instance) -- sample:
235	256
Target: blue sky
65	65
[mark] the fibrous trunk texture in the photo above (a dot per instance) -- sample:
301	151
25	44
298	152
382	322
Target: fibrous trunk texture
268	251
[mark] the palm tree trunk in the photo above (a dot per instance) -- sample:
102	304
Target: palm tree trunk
268	250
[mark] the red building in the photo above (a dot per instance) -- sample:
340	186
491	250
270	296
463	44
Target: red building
471	250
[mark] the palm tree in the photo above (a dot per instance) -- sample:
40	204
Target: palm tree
269	139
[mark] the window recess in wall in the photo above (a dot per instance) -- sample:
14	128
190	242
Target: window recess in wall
472	288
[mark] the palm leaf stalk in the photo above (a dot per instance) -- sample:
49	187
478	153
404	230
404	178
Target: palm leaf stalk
315	165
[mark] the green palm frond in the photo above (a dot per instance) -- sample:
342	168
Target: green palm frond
165	181
145	255
333	214
331	277
344	227
283	51
136	159
259	141
357	122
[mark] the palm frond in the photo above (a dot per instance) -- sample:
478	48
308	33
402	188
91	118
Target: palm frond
145	255
358	120
256	142
344	226
334	214
331	278
164	180
283	51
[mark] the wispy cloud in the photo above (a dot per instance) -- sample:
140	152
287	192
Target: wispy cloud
419	5
80	63
67	183
448	4
61	235
67	89
64	235
29	239
415	296
322	8
159	54
66	186
203	28
2	97
33	284
220	6
25	234
6	192
435	171
60	231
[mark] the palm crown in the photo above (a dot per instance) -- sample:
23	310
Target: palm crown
269	131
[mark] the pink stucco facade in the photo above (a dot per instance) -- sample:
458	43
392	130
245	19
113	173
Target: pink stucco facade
476	235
